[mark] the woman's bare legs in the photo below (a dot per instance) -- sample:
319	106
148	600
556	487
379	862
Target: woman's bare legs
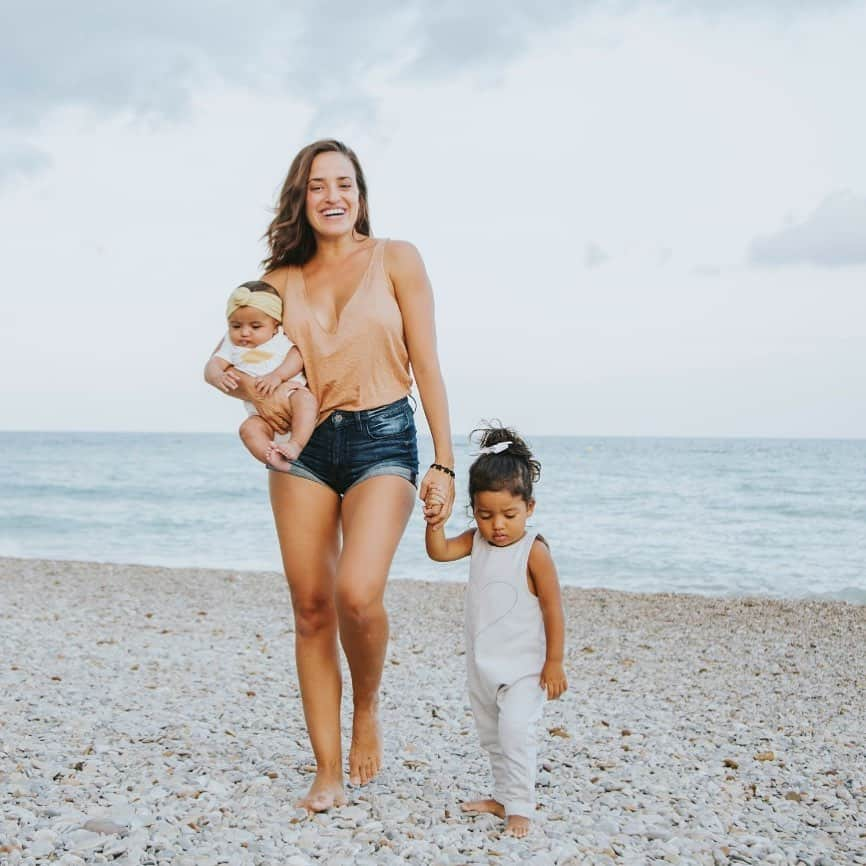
307	520
375	513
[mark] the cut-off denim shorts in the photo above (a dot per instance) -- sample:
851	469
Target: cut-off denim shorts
349	447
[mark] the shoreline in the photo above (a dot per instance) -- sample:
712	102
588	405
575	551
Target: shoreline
816	598
697	729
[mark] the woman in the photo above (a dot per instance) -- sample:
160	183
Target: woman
361	312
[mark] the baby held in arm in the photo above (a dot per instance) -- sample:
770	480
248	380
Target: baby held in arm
256	345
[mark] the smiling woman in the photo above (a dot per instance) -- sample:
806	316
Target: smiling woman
360	310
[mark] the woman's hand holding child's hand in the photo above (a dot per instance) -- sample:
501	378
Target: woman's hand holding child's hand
553	679
434	502
436	509
268	384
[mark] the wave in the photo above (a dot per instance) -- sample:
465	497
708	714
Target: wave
851	594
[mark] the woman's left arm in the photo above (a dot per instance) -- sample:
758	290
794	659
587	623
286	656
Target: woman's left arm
415	299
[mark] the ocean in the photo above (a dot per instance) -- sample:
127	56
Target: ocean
771	517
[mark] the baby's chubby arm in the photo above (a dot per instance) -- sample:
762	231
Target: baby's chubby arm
220	373
292	364
440	548
542	571
272	408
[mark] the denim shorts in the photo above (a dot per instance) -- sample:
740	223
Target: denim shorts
348	447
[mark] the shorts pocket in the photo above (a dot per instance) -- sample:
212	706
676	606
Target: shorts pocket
389	421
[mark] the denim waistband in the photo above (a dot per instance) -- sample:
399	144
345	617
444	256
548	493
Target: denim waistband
356	418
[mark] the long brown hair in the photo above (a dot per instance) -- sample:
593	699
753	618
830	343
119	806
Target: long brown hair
290	238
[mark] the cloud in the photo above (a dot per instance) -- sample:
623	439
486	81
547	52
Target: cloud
833	235
20	159
110	56
594	256
149	57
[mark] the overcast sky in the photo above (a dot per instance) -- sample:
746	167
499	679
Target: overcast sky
640	218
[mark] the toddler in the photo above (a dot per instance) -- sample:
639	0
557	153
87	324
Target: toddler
514	619
255	344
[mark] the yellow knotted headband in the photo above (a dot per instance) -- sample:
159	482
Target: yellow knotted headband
269	304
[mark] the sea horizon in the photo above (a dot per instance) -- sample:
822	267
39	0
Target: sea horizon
455	436
724	516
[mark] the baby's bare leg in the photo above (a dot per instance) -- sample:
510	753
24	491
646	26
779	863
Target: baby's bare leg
257	434
305	413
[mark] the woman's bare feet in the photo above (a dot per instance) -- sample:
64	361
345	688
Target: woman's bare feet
365	754
494	807
325	793
517	826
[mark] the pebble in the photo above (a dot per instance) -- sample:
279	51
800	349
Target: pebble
206	762
103	825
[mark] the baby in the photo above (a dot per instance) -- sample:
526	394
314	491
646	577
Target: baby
255	344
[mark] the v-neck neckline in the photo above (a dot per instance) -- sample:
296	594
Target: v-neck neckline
349	300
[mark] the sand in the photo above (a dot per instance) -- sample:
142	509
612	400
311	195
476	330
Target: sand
152	716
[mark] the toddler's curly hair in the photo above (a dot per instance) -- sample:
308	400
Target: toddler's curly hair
513	469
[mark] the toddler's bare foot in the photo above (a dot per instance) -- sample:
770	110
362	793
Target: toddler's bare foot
276	459
494	807
517	826
325	793
290	450
365	755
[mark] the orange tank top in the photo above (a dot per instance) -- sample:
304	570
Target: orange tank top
364	362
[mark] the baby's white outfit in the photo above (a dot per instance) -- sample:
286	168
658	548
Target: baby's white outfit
259	361
505	652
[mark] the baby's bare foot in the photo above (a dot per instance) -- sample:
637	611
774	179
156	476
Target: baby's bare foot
365	755
325	793
494	807
517	826
290	450
277	460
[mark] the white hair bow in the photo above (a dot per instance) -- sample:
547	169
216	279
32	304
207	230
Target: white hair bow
498	448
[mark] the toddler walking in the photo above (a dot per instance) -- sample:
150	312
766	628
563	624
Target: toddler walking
256	345
515	626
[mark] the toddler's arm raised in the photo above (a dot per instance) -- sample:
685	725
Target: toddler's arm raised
440	548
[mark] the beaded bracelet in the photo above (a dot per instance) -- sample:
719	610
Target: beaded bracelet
444	469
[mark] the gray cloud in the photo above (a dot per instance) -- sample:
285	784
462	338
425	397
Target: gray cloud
147	57
833	235
19	160
150	58
111	56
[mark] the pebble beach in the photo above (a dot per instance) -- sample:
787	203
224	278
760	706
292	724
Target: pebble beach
151	716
